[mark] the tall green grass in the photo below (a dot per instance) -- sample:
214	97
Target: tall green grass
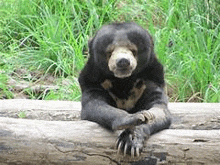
52	35
193	69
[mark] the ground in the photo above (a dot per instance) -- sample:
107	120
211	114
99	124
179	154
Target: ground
25	84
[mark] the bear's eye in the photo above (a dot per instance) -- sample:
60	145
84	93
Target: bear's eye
134	52
108	54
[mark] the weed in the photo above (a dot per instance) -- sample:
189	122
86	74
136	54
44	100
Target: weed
22	114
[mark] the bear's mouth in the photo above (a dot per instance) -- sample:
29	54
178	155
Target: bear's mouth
122	73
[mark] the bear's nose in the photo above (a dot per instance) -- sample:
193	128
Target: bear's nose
122	62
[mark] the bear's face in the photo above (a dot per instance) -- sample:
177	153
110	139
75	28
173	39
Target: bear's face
122	61
121	49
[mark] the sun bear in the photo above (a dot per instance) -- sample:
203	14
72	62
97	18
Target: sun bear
122	85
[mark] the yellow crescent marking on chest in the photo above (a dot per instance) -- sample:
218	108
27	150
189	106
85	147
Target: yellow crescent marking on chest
107	84
135	94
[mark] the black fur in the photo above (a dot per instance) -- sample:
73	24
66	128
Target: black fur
99	104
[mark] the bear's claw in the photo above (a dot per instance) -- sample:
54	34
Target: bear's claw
129	144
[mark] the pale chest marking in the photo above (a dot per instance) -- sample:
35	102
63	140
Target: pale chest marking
134	94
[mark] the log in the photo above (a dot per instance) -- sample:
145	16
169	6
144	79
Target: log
41	109
185	115
28	141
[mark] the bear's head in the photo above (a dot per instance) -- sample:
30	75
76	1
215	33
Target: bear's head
121	49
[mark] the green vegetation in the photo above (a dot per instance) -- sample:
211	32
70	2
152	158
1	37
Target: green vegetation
51	36
22	114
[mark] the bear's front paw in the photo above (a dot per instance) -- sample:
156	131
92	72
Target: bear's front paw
129	121
130	142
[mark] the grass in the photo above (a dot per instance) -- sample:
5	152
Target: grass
51	36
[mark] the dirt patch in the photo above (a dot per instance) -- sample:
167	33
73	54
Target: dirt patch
23	83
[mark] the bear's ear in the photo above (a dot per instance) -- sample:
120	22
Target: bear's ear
151	42
90	43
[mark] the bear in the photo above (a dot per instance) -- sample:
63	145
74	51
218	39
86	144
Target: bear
122	85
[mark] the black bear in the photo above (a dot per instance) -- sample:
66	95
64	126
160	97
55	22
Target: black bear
122	85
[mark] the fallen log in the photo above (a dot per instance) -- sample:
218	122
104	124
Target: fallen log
185	115
26	141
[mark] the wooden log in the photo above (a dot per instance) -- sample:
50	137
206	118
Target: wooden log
185	115
25	141
41	109
83	142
